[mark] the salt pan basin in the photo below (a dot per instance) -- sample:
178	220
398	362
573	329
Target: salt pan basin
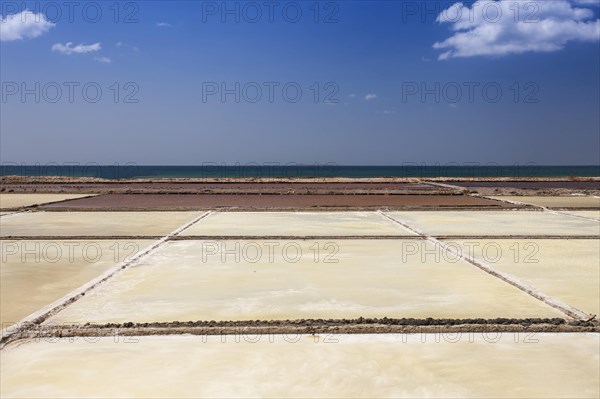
348	279
555	202
61	224
565	269
34	274
296	224
470	365
11	201
501	223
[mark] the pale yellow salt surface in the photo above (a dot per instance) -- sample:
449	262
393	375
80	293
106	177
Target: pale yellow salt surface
10	201
372	278
57	224
36	273
565	269
555	202
586	214
296	224
511	365
502	223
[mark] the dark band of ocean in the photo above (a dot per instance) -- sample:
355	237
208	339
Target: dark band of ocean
251	170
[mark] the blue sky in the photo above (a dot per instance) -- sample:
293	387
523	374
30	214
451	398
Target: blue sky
381	83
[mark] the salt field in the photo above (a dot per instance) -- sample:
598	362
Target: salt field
61	224
233	280
459	366
229	270
37	273
565	269
555	202
296	224
498	223
12	201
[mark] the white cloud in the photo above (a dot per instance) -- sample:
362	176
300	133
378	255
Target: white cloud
388	112
491	27
127	46
25	24
370	96
163	24
104	60
352	95
68	48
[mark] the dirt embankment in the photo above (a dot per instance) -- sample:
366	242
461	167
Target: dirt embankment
291	193
389	185
268	201
305	326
